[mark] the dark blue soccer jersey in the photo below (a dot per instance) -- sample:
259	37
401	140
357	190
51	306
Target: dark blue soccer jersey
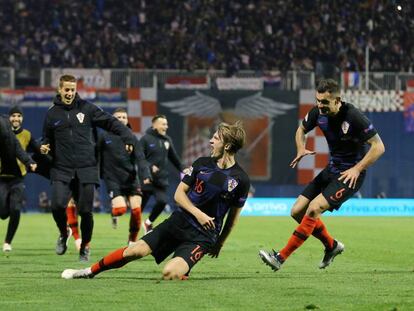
214	191
346	134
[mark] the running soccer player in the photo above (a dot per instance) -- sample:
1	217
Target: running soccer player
347	132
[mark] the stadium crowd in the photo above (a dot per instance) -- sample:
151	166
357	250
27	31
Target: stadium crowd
205	34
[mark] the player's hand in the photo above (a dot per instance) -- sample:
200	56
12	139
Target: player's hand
206	221
147	181
129	148
350	175
299	157
33	167
154	169
215	250
44	149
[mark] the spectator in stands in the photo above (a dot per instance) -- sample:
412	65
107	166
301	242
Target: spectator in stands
228	35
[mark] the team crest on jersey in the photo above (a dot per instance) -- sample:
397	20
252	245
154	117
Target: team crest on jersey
80	117
167	145
345	127
231	184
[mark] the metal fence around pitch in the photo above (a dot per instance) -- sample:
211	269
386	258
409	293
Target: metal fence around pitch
290	80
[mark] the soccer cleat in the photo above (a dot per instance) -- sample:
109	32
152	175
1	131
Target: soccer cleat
84	254
62	243
147	227
114	221
337	249
272	259
77	274
132	243
7	247
78	243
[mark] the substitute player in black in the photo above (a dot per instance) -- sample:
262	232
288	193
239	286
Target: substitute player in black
347	132
121	171
11	179
215	186
70	135
158	149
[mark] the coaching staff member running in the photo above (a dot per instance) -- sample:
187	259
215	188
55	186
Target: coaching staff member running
215	186
158	149
70	136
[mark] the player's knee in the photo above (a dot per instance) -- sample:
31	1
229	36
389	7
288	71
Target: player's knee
314	210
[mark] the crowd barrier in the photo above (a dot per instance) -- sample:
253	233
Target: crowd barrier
353	207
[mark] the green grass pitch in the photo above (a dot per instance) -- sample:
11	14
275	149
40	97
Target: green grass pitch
374	273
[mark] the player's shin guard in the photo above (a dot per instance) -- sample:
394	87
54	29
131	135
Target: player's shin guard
299	236
72	217
321	233
111	261
119	211
134	224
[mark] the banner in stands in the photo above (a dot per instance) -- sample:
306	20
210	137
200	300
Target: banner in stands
98	78
187	83
352	207
269	117
379	101
239	83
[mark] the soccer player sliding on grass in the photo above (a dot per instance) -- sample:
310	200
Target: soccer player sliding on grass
347	131
213	187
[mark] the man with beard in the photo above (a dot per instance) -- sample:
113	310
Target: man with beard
213	187
70	137
347	132
13	172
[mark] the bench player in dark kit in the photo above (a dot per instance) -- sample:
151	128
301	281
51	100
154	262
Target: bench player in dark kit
214	186
347	132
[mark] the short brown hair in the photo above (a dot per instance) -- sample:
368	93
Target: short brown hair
66	78
120	109
158	116
328	85
233	135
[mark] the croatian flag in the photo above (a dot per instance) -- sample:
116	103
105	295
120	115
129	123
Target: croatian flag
351	78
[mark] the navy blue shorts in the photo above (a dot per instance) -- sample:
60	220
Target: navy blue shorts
333	190
176	235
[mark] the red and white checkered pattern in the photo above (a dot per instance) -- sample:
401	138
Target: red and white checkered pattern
142	106
195	147
310	166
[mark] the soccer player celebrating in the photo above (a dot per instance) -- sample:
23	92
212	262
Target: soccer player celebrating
120	170
213	187
347	131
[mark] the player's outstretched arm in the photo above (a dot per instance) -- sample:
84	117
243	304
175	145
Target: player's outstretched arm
300	139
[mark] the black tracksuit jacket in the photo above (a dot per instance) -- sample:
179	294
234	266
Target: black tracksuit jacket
71	131
158	149
117	165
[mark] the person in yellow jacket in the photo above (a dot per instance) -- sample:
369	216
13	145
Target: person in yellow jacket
11	180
